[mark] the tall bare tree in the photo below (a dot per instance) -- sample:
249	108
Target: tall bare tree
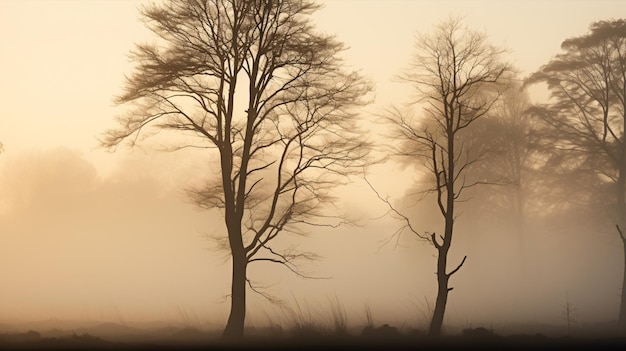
252	81
587	111
458	77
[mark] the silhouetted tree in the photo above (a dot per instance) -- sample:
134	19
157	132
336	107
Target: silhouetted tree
252	80
458	77
587	112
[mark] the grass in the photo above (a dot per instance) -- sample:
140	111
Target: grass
301	320
304	326
321	338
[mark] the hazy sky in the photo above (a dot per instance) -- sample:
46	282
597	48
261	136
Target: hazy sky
89	234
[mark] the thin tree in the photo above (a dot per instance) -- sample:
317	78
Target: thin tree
587	112
569	313
252	81
458	77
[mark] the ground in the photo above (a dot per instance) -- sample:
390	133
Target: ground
381	338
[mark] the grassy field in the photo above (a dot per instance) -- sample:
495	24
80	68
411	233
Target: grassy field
110	336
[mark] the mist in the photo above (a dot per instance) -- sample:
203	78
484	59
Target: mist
89	235
130	247
79	246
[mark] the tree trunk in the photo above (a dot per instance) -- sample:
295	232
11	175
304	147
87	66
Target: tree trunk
234	327
442	292
442	248
621	210
621	215
622	305
442	262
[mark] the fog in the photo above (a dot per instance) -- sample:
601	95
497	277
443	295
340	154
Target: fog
88	235
79	246
130	247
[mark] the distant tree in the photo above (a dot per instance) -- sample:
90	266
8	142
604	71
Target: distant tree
513	158
255	83
587	113
569	313
458	77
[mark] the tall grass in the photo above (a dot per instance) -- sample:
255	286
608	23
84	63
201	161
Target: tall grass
302	322
328	319
189	319
368	316
339	316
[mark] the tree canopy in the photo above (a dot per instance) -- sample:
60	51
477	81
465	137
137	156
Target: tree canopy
587	113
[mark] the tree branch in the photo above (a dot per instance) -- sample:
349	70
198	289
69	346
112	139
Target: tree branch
620	232
457	267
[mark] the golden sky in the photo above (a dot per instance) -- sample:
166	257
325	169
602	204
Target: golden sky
64	60
89	234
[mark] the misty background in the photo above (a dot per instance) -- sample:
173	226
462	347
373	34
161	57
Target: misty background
90	235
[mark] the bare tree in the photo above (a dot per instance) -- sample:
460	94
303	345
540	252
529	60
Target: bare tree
252	81
568	313
458	77
587	113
